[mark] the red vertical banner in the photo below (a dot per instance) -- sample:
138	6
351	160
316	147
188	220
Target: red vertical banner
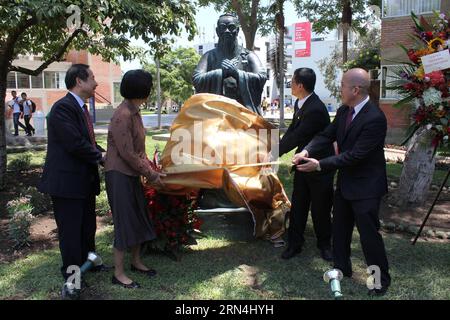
302	39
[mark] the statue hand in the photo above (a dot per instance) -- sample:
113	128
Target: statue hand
230	69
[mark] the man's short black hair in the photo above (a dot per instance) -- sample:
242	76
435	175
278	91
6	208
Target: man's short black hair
136	84
78	70
306	77
23	93
13	91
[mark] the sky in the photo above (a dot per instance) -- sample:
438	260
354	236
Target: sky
206	19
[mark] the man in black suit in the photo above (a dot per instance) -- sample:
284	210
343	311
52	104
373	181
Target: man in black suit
70	173
311	189
359	129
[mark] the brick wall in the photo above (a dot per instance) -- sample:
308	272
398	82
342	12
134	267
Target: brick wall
395	31
398	121
77	56
105	73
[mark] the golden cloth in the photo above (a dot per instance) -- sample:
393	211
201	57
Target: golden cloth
215	142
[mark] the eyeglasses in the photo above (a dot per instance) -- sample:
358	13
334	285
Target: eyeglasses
223	27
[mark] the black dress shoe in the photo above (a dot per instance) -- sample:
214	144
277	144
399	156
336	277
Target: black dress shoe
290	252
132	285
377	292
326	254
101	268
149	272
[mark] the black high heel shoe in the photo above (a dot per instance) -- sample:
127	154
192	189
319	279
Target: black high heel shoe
132	285
149	272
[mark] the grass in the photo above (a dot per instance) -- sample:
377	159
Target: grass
227	265
230	264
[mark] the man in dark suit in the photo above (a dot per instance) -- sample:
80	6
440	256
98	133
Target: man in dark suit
70	173
311	189
359	129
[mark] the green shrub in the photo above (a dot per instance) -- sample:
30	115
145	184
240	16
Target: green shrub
40	202
21	163
22	204
19	225
102	204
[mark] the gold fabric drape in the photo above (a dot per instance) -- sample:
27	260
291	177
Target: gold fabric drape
216	143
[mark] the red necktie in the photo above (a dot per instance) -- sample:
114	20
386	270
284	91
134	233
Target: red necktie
89	124
349	118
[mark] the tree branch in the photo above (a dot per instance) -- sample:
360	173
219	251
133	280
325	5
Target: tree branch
10	42
55	57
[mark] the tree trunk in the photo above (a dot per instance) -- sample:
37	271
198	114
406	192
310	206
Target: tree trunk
281	68
346	23
418	169
250	27
344	43
3	158
249	40
158	92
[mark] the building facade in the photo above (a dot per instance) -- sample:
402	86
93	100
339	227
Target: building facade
46	88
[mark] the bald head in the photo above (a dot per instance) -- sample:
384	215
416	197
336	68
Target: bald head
359	78
355	86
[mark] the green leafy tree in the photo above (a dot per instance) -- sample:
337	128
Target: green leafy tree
102	27
251	15
365	54
176	69
328	15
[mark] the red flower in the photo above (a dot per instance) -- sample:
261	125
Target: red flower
410	86
197	224
436	78
412	56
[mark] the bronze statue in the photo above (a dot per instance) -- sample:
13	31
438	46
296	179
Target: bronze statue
231	70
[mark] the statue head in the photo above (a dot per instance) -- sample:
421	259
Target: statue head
227	28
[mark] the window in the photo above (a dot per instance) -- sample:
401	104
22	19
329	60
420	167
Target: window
398	8
11	80
387	76
116	89
54	80
49	79
23	80
36	81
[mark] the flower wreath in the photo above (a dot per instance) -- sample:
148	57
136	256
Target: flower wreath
428	92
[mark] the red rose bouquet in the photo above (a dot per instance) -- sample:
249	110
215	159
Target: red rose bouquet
173	216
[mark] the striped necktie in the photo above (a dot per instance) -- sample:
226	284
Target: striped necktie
89	124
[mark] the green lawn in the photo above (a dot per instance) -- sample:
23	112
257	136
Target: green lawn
227	265
230	264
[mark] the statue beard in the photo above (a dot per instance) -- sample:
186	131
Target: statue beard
228	45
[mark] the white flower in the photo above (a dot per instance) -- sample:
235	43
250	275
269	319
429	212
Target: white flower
432	96
429	126
442	16
417	103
